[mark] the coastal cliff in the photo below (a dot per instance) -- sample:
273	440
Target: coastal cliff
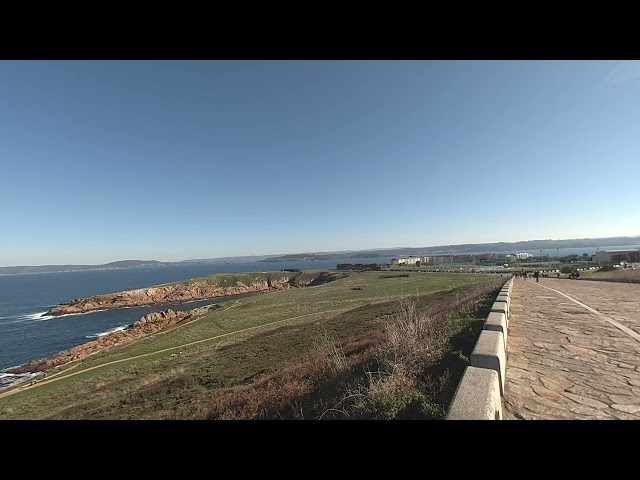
201	289
155	296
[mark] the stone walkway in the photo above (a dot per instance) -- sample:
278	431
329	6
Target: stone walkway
571	360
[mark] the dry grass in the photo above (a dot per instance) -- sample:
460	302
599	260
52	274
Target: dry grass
330	353
408	369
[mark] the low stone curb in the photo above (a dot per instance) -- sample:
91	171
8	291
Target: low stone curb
481	389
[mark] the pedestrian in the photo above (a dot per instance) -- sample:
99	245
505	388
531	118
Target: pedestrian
536	275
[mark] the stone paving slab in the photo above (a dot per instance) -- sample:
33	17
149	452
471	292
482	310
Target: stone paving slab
567	361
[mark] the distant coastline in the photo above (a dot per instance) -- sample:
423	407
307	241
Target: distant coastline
469	248
376	253
124	264
325	256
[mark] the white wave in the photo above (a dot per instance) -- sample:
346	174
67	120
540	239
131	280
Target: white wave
17	375
10	379
36	316
80	313
39	316
101	334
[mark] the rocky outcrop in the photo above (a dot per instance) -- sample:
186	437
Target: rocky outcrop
150	323
186	292
176	293
153	322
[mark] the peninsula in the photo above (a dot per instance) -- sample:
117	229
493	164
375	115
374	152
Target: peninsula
196	289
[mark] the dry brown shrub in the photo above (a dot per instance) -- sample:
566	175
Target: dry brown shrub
415	336
329	353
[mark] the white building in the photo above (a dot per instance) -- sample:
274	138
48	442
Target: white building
517	256
408	261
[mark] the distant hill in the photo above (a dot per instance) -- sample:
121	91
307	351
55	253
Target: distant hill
244	258
329	256
376	253
462	249
82	268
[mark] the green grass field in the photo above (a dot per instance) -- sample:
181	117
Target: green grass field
244	339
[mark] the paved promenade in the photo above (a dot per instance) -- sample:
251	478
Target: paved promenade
574	356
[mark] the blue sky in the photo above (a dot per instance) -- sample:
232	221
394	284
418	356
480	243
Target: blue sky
171	160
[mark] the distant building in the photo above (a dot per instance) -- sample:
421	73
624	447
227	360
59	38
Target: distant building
613	257
411	260
517	256
435	260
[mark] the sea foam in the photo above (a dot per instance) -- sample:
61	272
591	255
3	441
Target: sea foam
9	379
101	334
41	315
37	316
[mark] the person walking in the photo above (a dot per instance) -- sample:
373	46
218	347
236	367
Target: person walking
536	275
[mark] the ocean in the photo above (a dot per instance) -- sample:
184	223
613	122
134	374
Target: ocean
26	333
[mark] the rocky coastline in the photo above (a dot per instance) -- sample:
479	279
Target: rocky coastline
160	295
150	323
156	321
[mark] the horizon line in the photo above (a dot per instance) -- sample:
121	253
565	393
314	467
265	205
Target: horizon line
328	252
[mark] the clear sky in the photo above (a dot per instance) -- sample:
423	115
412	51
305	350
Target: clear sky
172	160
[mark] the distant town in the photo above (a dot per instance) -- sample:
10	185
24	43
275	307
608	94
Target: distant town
497	261
601	258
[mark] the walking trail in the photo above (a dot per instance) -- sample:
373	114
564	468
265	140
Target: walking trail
573	351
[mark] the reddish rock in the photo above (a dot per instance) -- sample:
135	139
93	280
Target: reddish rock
153	322
182	292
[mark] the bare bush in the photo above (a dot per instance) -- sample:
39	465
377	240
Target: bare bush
330	352
413	339
408	340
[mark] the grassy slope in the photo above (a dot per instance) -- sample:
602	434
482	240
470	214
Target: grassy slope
232	279
169	384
